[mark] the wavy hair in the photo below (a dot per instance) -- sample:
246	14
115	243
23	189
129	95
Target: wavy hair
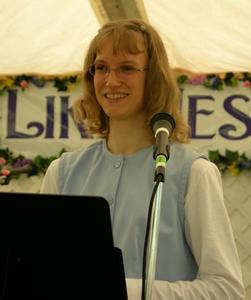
162	93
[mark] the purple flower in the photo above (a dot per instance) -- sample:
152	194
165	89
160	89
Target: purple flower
21	162
215	83
245	165
38	82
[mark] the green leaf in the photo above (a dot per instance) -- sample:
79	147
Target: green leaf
232	155
182	79
214	155
243	157
234	82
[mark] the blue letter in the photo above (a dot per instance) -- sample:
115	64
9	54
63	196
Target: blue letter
225	129
11	122
50	117
192	112
65	110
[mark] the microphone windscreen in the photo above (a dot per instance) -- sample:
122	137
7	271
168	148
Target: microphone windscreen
162	119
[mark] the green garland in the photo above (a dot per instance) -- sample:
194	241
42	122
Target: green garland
217	81
67	83
232	161
62	84
12	166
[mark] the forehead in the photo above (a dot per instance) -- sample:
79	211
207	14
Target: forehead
121	43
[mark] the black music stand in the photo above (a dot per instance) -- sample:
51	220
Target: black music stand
58	247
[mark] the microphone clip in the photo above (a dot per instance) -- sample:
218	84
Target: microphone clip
160	163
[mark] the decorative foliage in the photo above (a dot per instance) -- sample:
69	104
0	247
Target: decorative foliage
232	161
65	84
12	166
218	81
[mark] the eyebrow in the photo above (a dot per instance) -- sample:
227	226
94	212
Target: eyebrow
122	62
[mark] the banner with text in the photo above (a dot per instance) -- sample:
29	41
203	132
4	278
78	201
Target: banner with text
39	120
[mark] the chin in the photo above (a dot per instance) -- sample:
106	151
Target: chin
115	114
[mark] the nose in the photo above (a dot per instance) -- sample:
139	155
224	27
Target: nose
112	78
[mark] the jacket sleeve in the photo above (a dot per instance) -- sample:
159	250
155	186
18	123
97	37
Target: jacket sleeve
50	181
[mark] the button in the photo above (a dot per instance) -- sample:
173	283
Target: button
117	164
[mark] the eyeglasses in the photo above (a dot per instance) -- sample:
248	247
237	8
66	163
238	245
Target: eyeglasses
123	70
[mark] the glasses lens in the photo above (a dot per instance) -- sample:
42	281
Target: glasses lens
92	70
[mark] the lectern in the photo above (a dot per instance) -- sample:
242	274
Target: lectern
58	247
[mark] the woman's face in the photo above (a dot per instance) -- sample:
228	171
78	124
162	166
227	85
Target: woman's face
119	80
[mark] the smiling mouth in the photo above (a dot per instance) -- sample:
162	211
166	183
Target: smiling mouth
116	96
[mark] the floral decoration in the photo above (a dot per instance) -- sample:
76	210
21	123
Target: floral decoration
232	161
12	166
217	81
65	84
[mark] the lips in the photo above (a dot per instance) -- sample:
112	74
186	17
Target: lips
115	96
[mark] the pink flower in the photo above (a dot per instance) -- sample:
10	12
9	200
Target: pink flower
2	161
24	84
5	172
200	79
246	83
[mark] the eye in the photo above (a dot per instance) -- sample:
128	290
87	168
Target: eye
101	68
127	69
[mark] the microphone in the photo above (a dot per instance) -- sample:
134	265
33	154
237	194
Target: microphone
162	125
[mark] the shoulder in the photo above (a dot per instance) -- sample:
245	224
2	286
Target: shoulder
182	157
204	179
185	150
203	167
81	152
79	159
49	183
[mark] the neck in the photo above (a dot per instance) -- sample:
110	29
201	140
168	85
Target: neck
128	137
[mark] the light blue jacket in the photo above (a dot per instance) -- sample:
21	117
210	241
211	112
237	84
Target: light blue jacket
127	182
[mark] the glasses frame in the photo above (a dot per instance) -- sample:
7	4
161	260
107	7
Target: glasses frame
92	72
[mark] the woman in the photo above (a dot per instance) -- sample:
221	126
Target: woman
127	80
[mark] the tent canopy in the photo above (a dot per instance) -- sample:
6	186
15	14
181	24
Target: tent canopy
50	37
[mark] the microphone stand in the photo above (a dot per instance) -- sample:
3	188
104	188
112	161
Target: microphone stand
162	124
152	245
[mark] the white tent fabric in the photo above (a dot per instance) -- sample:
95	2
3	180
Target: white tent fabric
50	37
204	36
44	37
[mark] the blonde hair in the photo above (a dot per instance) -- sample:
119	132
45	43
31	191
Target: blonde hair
161	90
